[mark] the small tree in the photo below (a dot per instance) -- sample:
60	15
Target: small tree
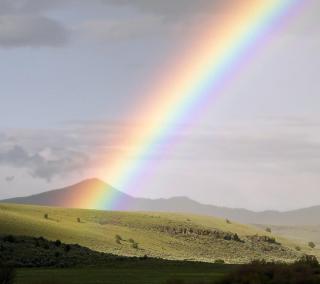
268	230
311	244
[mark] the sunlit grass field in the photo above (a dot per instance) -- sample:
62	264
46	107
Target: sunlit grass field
156	234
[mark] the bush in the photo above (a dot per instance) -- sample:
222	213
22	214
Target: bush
219	261
298	248
118	239
67	248
135	245
46	216
57	243
10	239
78	220
261	272
131	241
7	275
46	246
236	238
309	260
228	221
311	244
268	230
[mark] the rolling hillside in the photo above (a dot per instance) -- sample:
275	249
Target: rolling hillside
299	233
165	235
69	198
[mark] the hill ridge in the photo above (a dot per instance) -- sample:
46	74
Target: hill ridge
63	198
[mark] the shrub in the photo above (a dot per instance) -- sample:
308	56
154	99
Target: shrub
298	248
7	275
261	272
311	244
10	239
46	246
46	216
57	243
309	260
67	248
131	241
236	238
78	220
228	221
118	239
268	230
219	261
135	245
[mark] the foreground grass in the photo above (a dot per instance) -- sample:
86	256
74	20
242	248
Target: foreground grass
125	273
163	235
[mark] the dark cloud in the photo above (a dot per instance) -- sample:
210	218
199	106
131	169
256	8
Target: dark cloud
29	30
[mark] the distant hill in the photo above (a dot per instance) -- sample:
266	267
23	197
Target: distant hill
165	235
69	197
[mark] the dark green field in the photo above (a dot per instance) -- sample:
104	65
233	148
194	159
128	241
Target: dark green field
125	273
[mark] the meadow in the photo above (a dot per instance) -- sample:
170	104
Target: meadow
133	273
159	235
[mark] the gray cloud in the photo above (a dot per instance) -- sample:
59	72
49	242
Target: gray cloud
113	30
9	178
29	30
45	164
29	6
174	8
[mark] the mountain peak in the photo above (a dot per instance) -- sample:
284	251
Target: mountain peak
91	182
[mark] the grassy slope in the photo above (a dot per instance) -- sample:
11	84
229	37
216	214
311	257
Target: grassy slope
97	231
302	234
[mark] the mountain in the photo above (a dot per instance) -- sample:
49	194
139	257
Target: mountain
80	196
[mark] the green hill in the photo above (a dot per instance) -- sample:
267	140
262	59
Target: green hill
165	235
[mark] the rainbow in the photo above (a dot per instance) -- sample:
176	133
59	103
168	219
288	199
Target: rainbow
202	73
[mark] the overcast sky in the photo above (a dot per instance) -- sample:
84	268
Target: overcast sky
73	71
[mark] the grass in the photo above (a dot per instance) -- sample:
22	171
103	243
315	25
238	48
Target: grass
300	234
126	274
164	235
